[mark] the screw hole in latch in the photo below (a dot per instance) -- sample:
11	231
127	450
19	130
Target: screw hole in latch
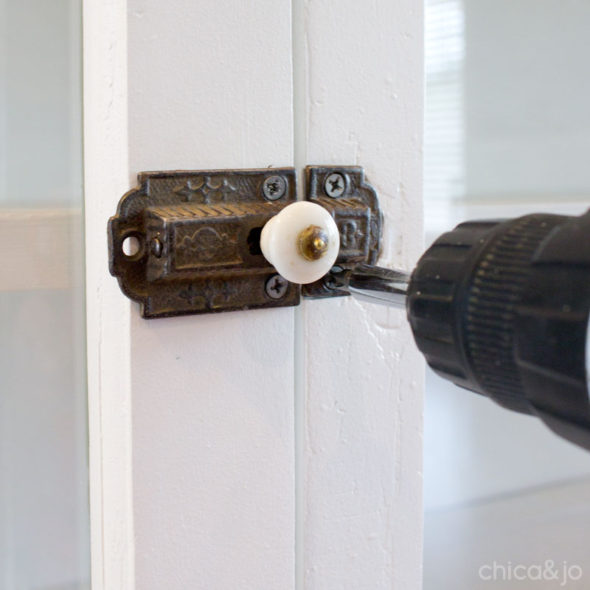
132	246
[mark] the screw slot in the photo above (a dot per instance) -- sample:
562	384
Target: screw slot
276	287
335	185
274	187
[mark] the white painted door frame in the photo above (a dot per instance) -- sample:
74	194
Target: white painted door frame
263	449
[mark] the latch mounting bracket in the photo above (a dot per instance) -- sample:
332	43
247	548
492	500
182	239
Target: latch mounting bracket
196	236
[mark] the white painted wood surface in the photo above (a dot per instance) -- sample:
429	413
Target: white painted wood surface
210	86
106	177
361	103
240	428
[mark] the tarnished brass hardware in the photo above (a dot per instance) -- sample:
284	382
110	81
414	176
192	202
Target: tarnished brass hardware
313	242
187	242
353	203
198	238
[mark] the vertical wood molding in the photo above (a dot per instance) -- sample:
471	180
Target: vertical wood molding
210	86
192	420
362	505
108	313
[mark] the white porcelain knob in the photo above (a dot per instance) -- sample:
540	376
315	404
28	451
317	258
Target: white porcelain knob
301	242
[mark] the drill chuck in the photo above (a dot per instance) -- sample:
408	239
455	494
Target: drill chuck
502	307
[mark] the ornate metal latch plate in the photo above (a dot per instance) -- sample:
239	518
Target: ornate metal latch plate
196	236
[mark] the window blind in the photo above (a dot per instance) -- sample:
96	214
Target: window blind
444	117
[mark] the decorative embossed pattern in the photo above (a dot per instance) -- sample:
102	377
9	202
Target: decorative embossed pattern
205	246
195	231
193	228
357	215
207	189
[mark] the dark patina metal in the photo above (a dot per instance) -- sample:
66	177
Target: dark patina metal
198	237
354	206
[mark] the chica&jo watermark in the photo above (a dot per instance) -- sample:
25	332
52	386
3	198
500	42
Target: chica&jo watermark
546	571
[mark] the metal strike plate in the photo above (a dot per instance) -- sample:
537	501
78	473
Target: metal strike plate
197	236
354	206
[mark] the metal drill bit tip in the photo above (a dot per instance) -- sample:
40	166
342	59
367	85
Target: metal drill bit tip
374	284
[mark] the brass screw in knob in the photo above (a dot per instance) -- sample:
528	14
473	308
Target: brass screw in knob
313	242
301	242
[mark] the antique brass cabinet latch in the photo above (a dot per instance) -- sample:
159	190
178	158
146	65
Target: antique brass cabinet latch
189	242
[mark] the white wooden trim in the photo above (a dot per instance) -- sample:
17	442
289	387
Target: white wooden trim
106	177
210	86
363	386
192	422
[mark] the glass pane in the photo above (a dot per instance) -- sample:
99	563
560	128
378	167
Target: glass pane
507	133
44	529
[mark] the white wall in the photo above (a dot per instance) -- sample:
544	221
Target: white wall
527	139
40	100
496	481
527	90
